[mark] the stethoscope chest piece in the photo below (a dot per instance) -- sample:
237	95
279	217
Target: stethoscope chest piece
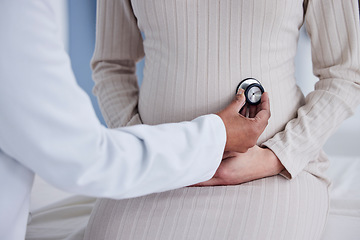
252	90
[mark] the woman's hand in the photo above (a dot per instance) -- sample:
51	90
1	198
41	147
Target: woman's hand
238	168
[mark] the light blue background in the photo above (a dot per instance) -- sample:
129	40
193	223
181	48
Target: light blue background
82	20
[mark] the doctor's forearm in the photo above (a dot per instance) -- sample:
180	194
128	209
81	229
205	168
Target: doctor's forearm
51	128
148	155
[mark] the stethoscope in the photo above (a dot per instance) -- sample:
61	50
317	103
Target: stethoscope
252	90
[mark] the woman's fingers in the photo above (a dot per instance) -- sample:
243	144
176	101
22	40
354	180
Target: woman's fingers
212	182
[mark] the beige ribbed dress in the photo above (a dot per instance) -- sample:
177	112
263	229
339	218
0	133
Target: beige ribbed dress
196	53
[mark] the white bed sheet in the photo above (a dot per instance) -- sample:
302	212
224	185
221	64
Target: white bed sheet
344	216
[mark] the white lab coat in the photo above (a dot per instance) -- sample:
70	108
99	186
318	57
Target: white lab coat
48	127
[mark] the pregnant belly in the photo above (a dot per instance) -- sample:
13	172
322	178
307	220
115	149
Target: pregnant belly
165	100
178	101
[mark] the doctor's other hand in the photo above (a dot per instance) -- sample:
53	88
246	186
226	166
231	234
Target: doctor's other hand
237	168
242	133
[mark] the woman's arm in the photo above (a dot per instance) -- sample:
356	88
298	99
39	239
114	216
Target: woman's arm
118	47
333	27
334	30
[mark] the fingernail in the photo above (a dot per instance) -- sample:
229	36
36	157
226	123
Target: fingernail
240	91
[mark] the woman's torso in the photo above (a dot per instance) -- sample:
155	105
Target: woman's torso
198	51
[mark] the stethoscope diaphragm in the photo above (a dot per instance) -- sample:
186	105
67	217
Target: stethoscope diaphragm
252	90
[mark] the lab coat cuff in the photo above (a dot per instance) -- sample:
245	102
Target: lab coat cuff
218	142
219	129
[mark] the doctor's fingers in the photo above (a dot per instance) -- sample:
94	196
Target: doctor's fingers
263	109
238	102
244	110
252	111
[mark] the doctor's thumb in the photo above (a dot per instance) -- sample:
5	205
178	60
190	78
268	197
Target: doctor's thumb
238	101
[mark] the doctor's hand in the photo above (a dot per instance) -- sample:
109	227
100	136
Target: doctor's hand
242	133
237	168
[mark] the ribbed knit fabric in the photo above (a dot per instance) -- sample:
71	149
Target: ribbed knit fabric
196	53
270	208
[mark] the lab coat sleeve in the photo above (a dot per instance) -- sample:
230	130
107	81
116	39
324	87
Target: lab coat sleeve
118	47
48	125
333	27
